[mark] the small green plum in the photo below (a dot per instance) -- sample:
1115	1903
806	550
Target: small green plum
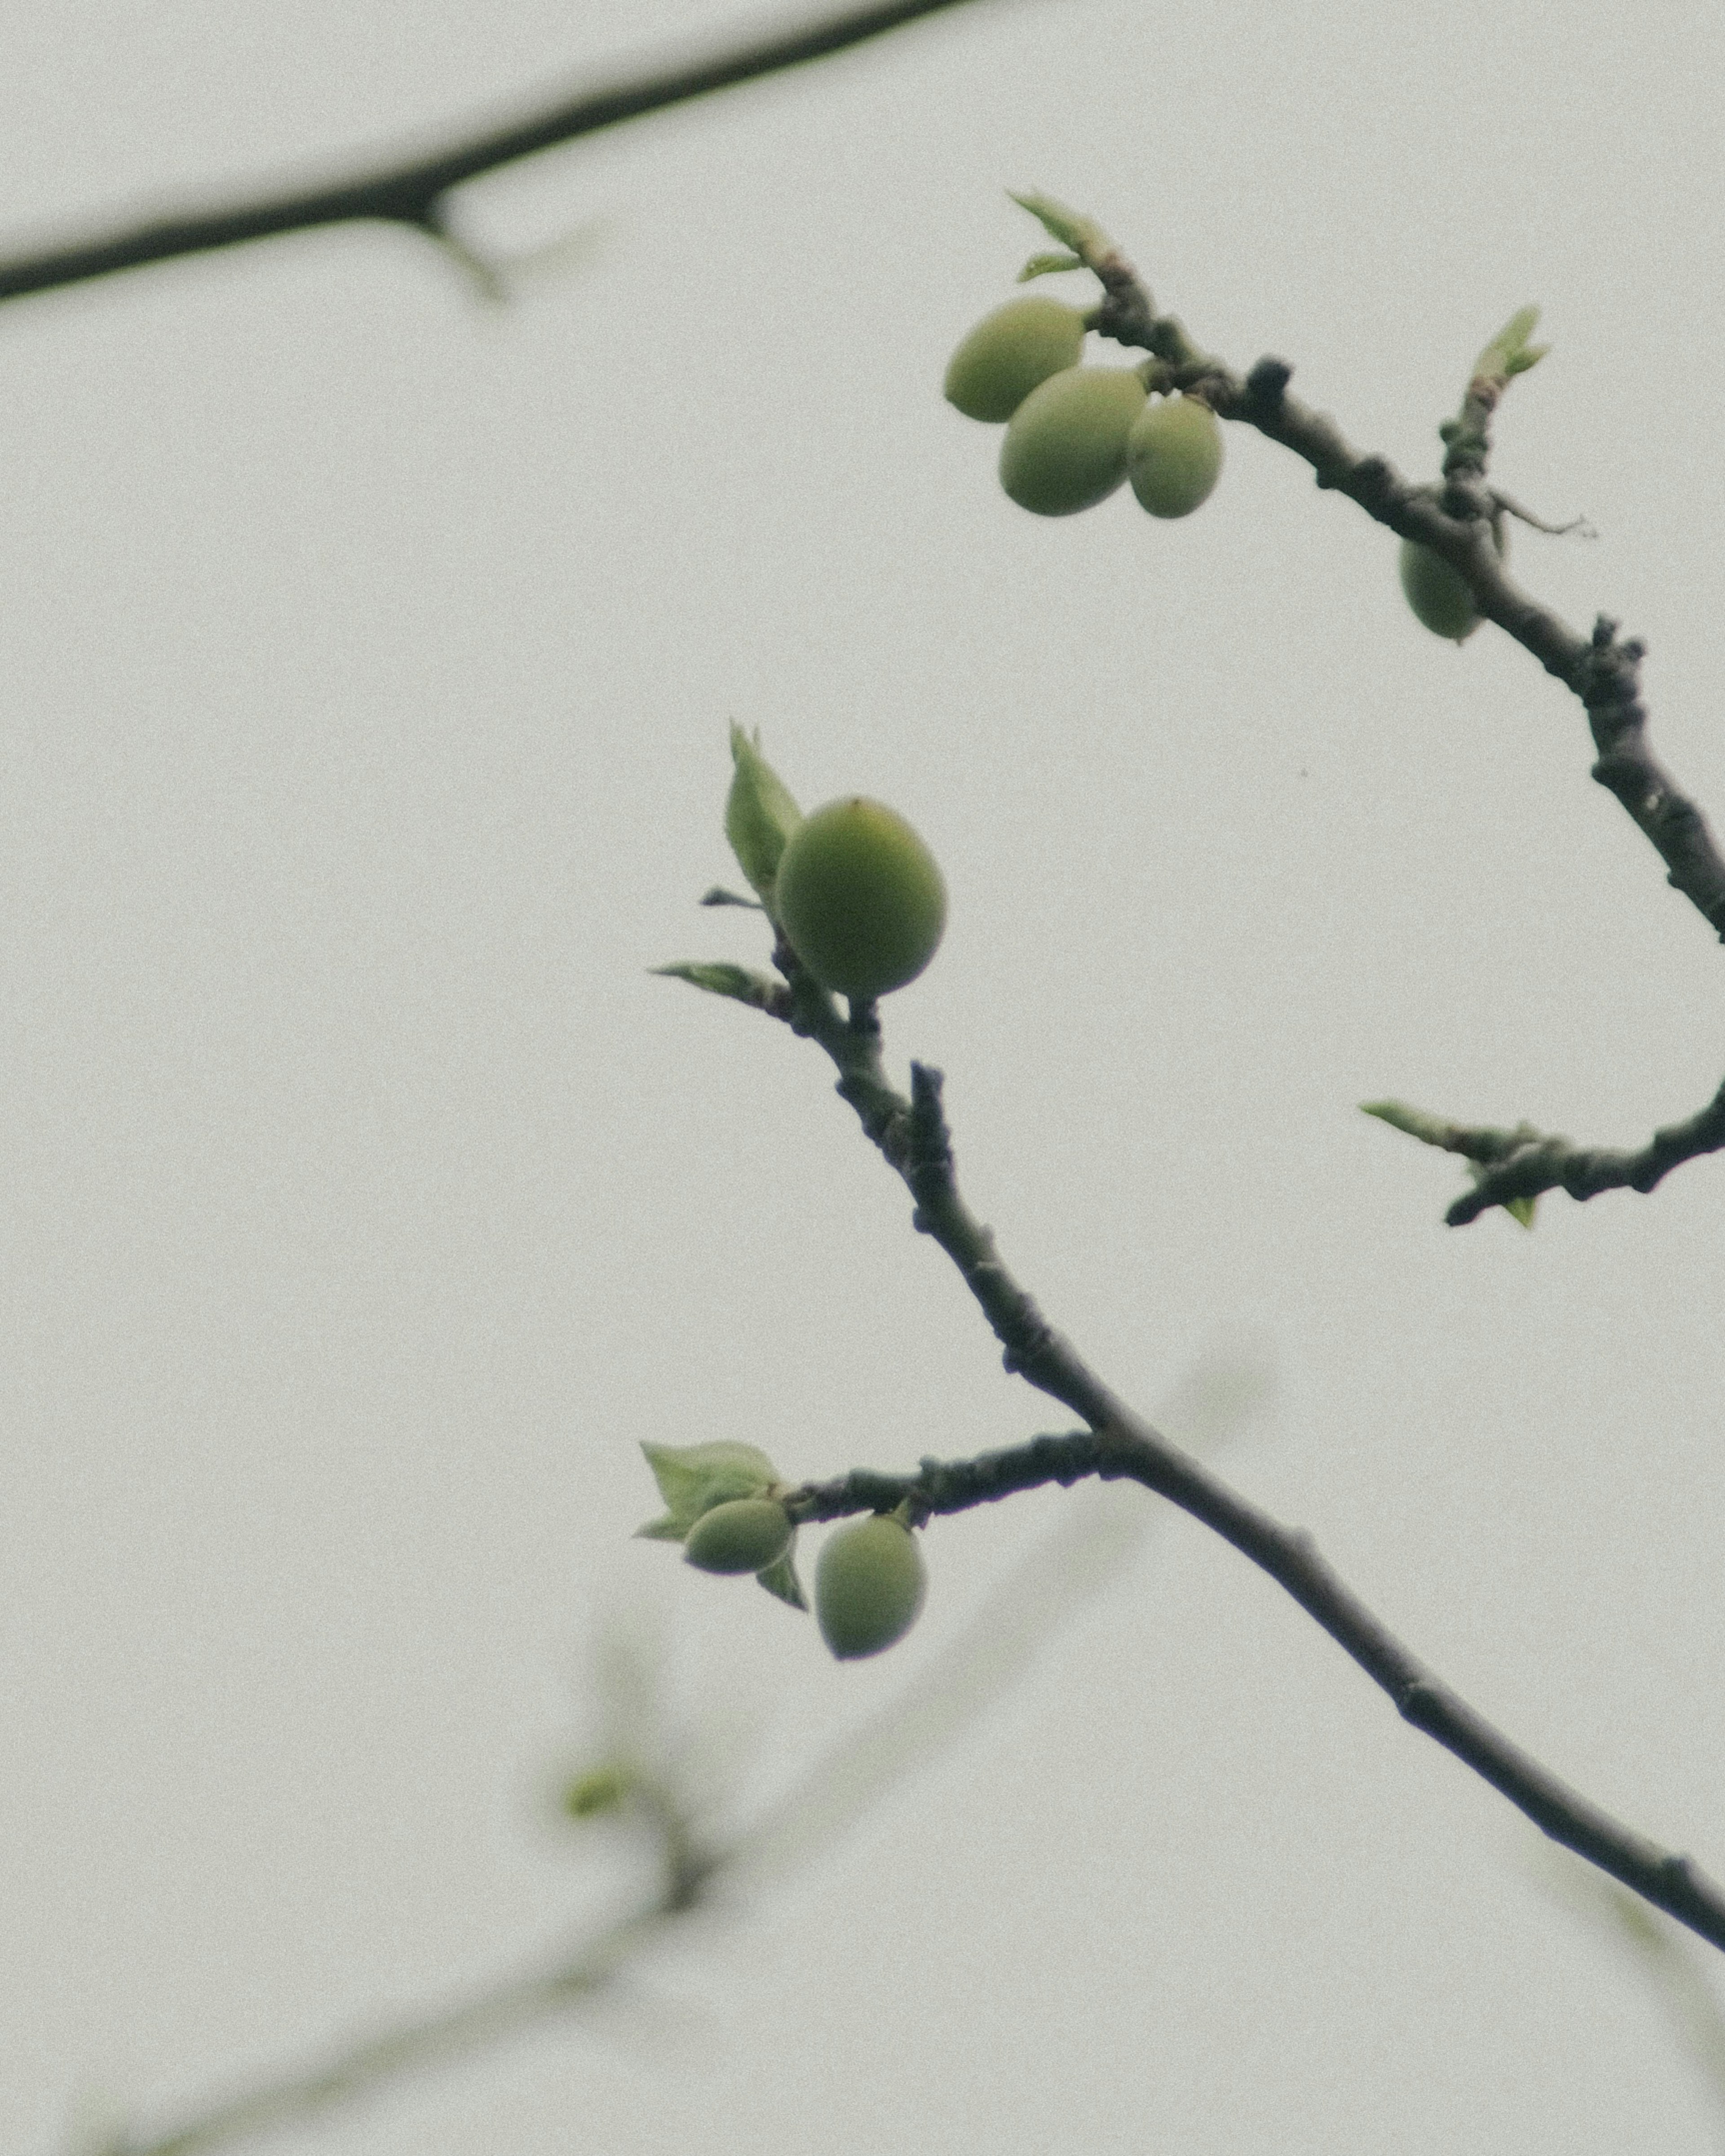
1065	448
868	1585
860	898
745	1535
1439	594
1173	455
1010	352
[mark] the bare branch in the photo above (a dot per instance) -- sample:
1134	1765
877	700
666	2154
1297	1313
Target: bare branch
1517	1166
1456	521
1118	1444
411	191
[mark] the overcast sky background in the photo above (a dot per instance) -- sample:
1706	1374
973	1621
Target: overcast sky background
369	655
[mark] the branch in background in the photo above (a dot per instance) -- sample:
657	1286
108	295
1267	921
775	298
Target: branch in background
414	192
1515	1167
1117	1444
1074	1559
449	2032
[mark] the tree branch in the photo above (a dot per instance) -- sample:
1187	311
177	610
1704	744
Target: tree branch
1116	1443
1454	520
1517	1166
411	191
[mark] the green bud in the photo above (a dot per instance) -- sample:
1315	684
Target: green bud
760	814
1173	455
1010	352
1064	449
747	1534
860	898
868	1585
1438	594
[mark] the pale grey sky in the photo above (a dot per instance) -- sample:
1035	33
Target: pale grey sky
370	655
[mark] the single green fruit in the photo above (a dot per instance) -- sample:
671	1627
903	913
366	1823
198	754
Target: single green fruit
860	898
868	1586
1173	455
1010	352
1065	447
1438	594
747	1535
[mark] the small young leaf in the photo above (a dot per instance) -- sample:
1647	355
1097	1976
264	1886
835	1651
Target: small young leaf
1048	265
1433	1129
1522	1209
693	1478
1082	234
760	814
1509	352
781	1579
720	979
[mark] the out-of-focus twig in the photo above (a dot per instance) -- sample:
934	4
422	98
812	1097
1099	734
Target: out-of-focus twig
414	191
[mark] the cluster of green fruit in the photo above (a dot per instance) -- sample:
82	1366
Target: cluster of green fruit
725	1506
1075	432
852	890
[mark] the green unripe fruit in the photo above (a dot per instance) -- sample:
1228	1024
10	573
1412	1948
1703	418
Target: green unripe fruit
860	898
1065	447
868	1586
1010	352
1438	594
1173	455
745	1535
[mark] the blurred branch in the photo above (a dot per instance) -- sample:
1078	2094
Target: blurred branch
446	2032
1116	1443
1516	1167
414	191
1077	1557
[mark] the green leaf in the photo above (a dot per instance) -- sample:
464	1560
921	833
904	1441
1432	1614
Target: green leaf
1431	1130
1082	234
1509	352
781	1579
693	1478
720	979
1522	1209
760	814
1047	266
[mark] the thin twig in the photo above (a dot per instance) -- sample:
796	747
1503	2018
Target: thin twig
1455	521
1517	1166
411	191
912	1135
